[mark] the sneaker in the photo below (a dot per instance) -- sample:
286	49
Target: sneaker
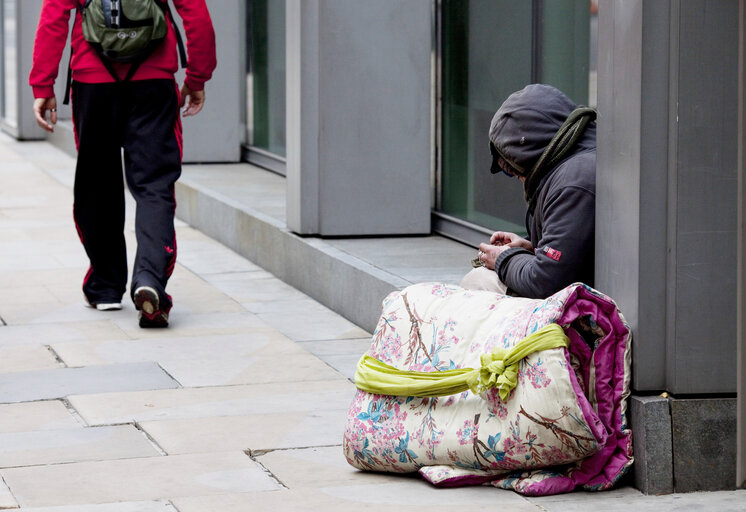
148	304
104	306
109	306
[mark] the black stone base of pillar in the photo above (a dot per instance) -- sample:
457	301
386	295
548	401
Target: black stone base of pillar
683	445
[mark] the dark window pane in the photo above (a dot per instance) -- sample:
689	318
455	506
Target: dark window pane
491	48
266	80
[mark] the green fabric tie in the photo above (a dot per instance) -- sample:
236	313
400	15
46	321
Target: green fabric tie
499	370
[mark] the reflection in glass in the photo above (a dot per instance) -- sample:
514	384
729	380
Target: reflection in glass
266	76
491	48
9	62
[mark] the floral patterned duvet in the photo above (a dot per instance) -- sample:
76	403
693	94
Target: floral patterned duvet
564	425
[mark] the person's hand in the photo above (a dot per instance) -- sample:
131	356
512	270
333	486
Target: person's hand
196	101
41	105
505	238
488	254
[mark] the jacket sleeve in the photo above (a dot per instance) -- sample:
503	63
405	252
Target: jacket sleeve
564	252
200	42
51	36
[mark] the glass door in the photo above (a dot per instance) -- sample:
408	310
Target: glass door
489	49
265	85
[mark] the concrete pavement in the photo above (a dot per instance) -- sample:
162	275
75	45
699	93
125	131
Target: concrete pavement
239	405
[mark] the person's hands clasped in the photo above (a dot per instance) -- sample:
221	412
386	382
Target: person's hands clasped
511	240
500	241
41	106
489	253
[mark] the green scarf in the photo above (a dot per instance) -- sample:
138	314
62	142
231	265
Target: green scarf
562	142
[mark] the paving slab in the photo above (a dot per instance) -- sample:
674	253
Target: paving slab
27	358
250	358
34	304
286	305
259	342
346	347
59	383
100	329
143	479
243	400
263	190
342	355
310	322
203	256
344	364
627	499
254	287
183	324
320	467
417	260
38	305
131	506
193	295
28	260
225	433
52	231
33	416
7	501
43	254
29	304
415	491
18	278
410	495
73	445
250	370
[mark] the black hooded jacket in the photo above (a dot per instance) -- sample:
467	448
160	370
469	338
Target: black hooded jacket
561	217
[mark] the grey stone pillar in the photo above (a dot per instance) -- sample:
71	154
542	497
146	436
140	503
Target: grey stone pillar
358	116
667	223
741	280
216	133
666	187
24	125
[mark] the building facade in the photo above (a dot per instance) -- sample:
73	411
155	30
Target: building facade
377	112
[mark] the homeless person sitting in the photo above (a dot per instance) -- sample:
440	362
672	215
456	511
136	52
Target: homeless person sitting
541	137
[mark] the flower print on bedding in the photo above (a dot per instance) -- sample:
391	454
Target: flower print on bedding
377	437
546	420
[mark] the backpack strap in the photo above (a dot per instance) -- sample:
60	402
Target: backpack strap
69	81
179	40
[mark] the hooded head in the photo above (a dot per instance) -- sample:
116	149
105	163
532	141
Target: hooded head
524	125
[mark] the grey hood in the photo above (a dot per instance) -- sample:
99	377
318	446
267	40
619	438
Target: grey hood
527	121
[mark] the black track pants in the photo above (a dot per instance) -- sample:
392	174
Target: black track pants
141	117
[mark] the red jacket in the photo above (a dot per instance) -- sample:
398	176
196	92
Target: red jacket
51	36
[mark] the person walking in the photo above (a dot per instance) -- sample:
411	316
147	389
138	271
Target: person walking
125	111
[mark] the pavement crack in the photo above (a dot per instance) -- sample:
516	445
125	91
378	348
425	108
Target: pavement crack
56	355
169	374
258	453
74	412
264	468
150	439
173	505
